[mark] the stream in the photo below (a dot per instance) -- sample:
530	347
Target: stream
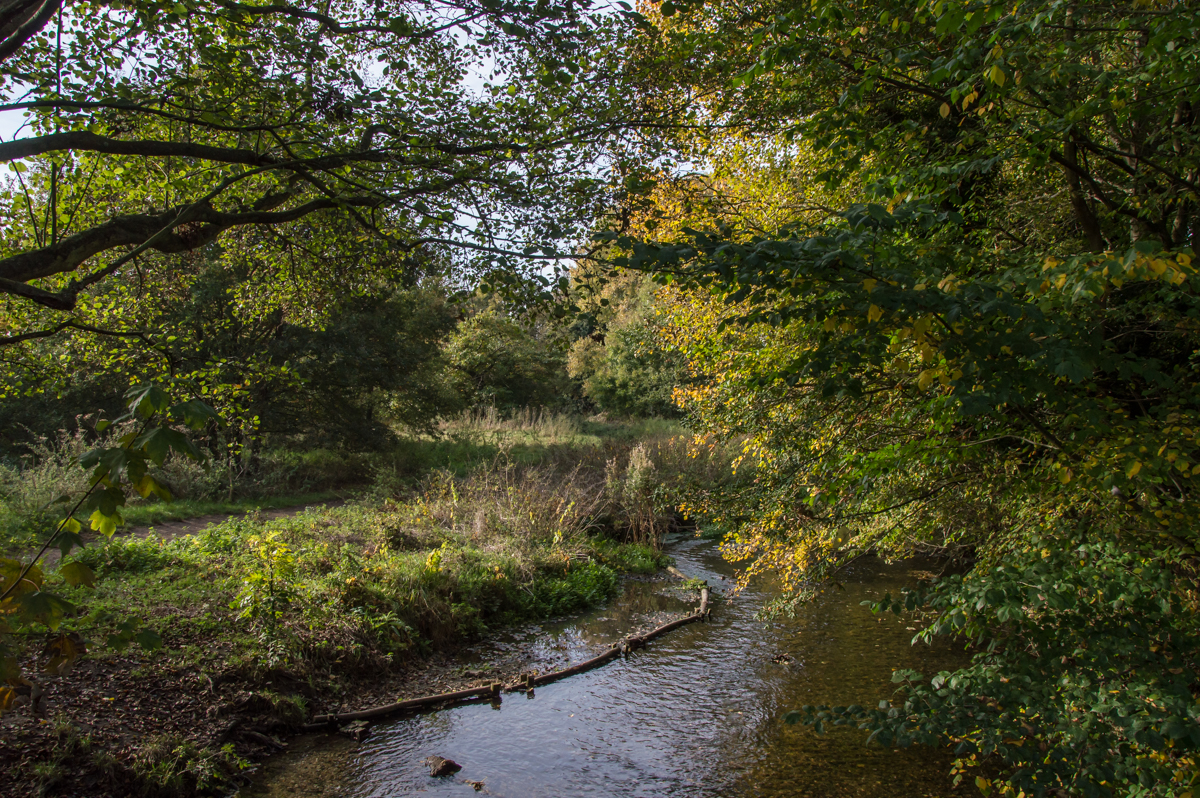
697	712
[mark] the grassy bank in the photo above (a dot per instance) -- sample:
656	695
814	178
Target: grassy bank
331	592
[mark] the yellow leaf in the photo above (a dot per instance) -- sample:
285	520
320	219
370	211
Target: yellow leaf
944	110
869	284
1064	476
12	570
144	486
1131	472
926	378
104	524
63	651
997	75
874	313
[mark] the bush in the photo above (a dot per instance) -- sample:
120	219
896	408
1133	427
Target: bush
30	488
170	766
125	555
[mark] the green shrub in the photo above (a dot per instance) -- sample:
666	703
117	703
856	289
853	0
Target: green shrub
125	555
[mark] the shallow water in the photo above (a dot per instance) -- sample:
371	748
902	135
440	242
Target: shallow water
697	712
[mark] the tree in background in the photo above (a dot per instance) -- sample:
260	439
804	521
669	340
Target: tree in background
617	353
291	340
500	361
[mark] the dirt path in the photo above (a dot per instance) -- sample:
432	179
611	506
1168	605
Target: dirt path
170	530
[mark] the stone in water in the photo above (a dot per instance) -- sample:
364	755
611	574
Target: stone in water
440	766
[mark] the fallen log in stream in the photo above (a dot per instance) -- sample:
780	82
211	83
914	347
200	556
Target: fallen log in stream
492	691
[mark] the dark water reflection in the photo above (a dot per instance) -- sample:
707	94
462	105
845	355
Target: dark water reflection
697	713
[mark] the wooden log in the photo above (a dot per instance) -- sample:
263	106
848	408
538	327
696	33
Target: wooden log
586	665
492	690
667	627
400	706
673	625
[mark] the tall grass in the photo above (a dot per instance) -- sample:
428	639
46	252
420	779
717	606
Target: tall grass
635	472
37	488
524	426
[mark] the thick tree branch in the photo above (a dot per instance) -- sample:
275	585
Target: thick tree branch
9	340
178	230
44	298
20	21
84	141
336	26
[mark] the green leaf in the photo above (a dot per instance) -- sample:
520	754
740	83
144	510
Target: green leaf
107	501
76	574
157	443
147	399
67	540
148	639
195	414
45	608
